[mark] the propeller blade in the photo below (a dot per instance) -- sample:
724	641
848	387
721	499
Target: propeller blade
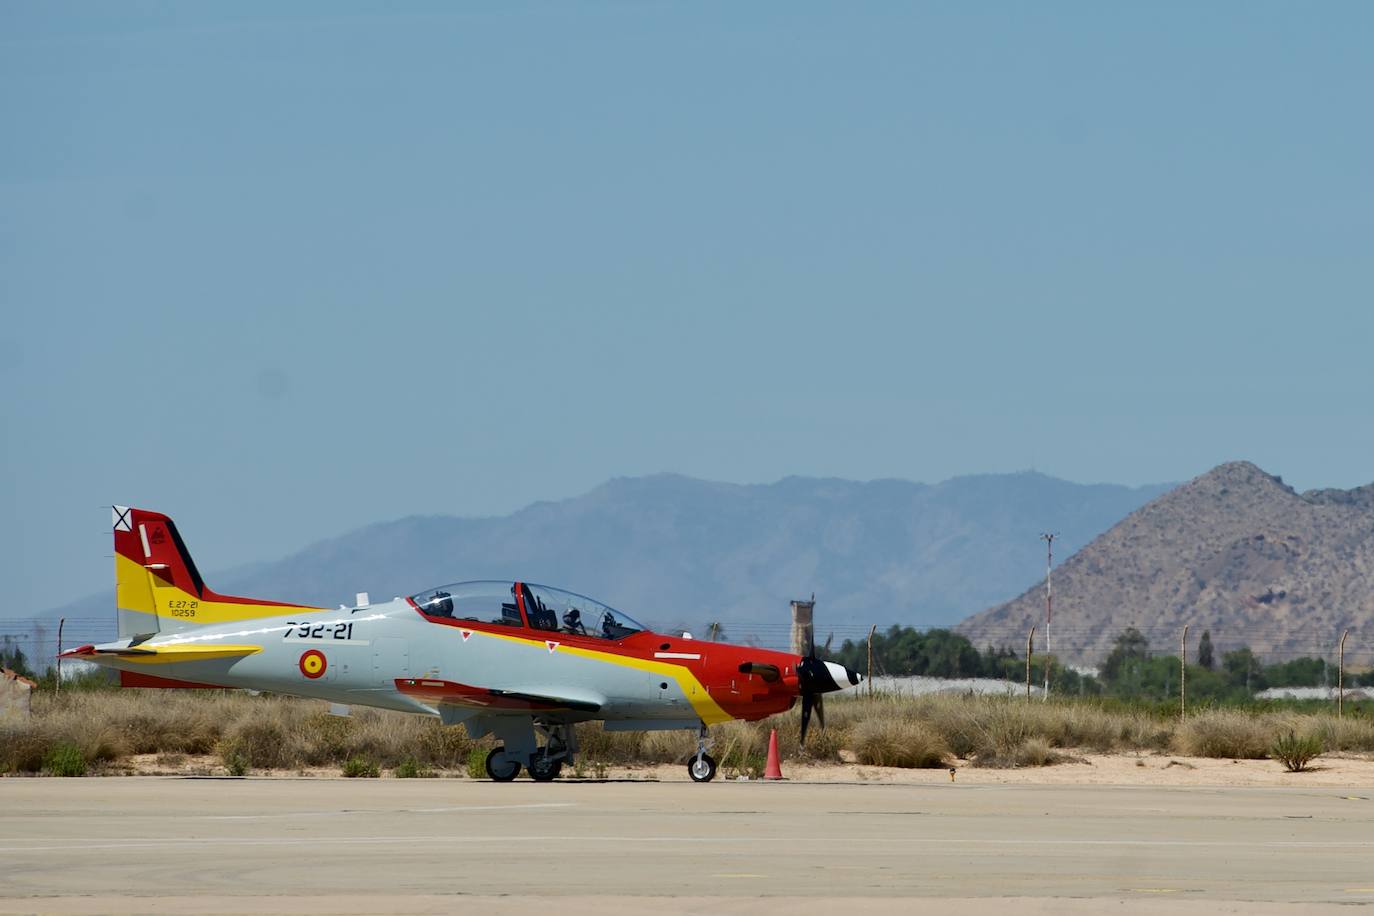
807	699
820	710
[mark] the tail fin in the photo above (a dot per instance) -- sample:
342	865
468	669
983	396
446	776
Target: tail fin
157	586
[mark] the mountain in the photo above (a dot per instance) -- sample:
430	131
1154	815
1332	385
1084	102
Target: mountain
673	550
1235	551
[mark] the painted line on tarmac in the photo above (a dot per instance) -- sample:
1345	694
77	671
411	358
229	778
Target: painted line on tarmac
375	811
77	845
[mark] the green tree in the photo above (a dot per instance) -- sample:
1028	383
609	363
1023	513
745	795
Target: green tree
1298	672
13	658
1243	670
1205	656
1128	652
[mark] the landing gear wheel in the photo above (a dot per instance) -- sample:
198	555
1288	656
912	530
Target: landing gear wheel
702	769
544	768
500	767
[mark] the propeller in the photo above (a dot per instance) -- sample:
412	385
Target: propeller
815	679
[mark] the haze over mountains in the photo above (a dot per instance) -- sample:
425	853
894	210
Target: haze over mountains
673	550
1235	551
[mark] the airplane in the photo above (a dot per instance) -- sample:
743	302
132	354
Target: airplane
519	661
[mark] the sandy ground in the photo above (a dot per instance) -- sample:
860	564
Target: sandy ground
1088	769
213	846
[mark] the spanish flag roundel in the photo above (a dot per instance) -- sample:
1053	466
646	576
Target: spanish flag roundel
313	663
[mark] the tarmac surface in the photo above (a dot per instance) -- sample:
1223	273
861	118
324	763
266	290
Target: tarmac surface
177	845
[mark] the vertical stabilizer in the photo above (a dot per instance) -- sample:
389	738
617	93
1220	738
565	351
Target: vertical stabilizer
157	586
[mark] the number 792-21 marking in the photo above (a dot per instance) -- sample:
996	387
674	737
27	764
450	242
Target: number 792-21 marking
318	631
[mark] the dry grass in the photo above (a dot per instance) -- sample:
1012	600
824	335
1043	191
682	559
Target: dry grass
1226	733
259	733
899	743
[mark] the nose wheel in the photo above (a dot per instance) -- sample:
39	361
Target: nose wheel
702	768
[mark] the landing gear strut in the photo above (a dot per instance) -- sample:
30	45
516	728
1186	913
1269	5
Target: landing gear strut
702	767
559	744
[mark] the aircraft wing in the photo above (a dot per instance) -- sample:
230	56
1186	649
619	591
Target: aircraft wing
454	694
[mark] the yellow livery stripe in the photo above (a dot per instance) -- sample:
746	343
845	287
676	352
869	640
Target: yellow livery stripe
705	705
179	652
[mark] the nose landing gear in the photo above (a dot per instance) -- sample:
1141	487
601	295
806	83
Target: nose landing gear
702	767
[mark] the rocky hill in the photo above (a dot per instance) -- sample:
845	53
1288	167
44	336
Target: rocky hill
1235	551
672	550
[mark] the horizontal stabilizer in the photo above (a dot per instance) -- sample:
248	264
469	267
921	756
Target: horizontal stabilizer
161	655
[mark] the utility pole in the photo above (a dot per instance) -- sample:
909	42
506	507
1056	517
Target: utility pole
1340	677
1183	674
1048	538
1030	647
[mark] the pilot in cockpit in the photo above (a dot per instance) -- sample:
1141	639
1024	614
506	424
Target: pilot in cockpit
572	621
441	605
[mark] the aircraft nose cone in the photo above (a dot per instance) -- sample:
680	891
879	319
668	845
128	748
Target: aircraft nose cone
825	677
842	676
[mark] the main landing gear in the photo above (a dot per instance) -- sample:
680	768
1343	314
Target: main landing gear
500	767
544	763
702	767
547	762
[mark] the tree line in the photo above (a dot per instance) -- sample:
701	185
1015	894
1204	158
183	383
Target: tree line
1129	670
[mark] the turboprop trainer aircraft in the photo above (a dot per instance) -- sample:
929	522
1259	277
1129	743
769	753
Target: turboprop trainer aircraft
520	661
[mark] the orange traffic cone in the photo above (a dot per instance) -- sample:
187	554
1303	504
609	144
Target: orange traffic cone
774	768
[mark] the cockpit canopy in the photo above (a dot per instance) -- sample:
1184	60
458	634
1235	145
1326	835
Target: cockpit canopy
524	604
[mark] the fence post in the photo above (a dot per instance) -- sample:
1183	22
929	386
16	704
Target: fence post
1340	677
1030	647
1183	674
871	630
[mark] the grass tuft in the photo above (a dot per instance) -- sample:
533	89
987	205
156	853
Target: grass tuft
899	743
65	760
1225	733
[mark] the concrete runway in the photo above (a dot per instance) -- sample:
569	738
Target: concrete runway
150	845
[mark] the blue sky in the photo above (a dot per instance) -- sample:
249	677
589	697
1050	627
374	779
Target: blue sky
282	273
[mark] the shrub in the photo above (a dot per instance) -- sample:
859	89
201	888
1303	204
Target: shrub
236	763
740	763
477	763
410	768
361	767
65	760
260	741
1348	734
898	743
1036	752
1225	733
1295	752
